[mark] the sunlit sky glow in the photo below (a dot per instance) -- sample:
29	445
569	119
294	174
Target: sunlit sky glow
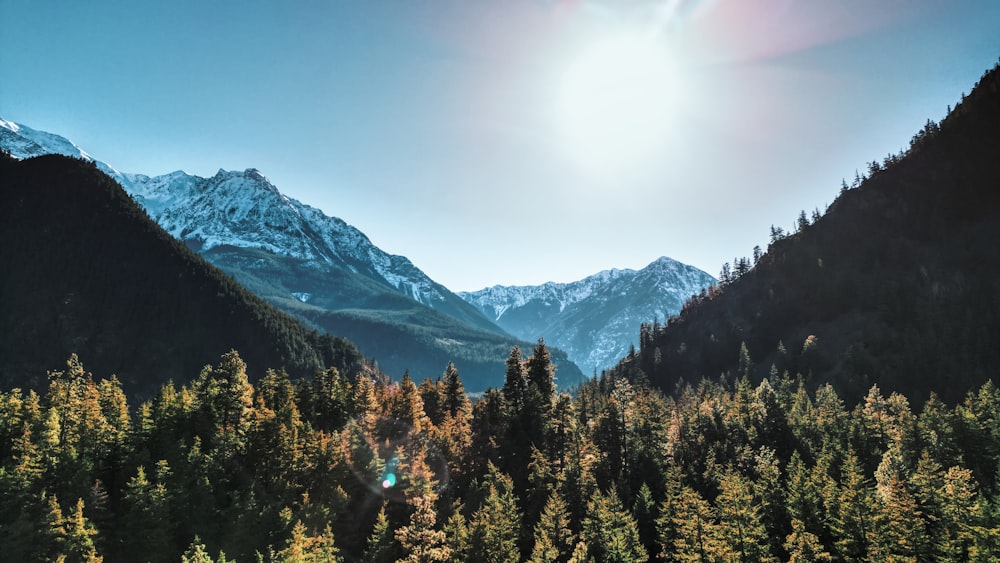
506	142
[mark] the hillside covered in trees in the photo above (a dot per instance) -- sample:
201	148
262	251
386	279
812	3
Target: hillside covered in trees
86	271
897	284
330	469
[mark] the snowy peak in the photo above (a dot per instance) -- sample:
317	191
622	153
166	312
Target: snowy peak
666	273
597	318
243	209
24	142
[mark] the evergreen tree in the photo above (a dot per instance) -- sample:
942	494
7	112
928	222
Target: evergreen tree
380	547
644	509
554	539
406	410
419	540
695	530
196	553
540	372
78	540
147	522
226	398
803	500
853	524
456	402
301	547
496	524
804	546
741	533
611	532
456	533
900	532
515	385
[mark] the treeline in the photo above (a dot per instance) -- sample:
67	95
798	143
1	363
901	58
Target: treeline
375	470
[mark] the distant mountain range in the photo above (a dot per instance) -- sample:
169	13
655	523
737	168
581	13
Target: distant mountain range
316	267
595	320
897	285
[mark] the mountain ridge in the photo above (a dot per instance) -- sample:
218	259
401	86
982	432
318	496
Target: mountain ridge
316	267
86	271
596	319
895	286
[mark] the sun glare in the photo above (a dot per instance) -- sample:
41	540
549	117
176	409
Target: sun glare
616	103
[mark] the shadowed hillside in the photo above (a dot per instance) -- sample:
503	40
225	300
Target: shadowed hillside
84	270
896	285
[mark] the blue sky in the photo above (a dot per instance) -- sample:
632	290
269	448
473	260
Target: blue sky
506	142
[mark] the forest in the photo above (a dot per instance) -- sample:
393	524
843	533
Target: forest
894	284
366	468
750	428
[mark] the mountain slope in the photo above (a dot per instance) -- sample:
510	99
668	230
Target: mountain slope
597	319
318	268
84	270
897	284
244	210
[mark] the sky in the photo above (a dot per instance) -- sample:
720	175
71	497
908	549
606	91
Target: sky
513	142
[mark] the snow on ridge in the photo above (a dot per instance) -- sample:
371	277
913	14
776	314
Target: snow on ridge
673	278
24	142
242	209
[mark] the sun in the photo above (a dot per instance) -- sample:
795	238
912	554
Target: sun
617	102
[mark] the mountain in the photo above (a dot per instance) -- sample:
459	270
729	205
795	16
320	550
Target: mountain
22	142
898	284
595	320
318	268
86	271
243	210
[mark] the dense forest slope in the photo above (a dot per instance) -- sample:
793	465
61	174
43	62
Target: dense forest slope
84	270
897	284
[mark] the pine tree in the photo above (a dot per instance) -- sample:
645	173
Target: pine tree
456	533
456	402
554	539
852	524
667	532
741	531
432	396
226	397
515	385
803	500
496	524
900	533
196	553
644	509
419	540
961	516
695	530
301	547
540	371
406	409
381	547
804	546
329	403
611	532
147	522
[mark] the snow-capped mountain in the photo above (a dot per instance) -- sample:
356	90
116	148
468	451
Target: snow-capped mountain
595	320
316	267
244	210
24	142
